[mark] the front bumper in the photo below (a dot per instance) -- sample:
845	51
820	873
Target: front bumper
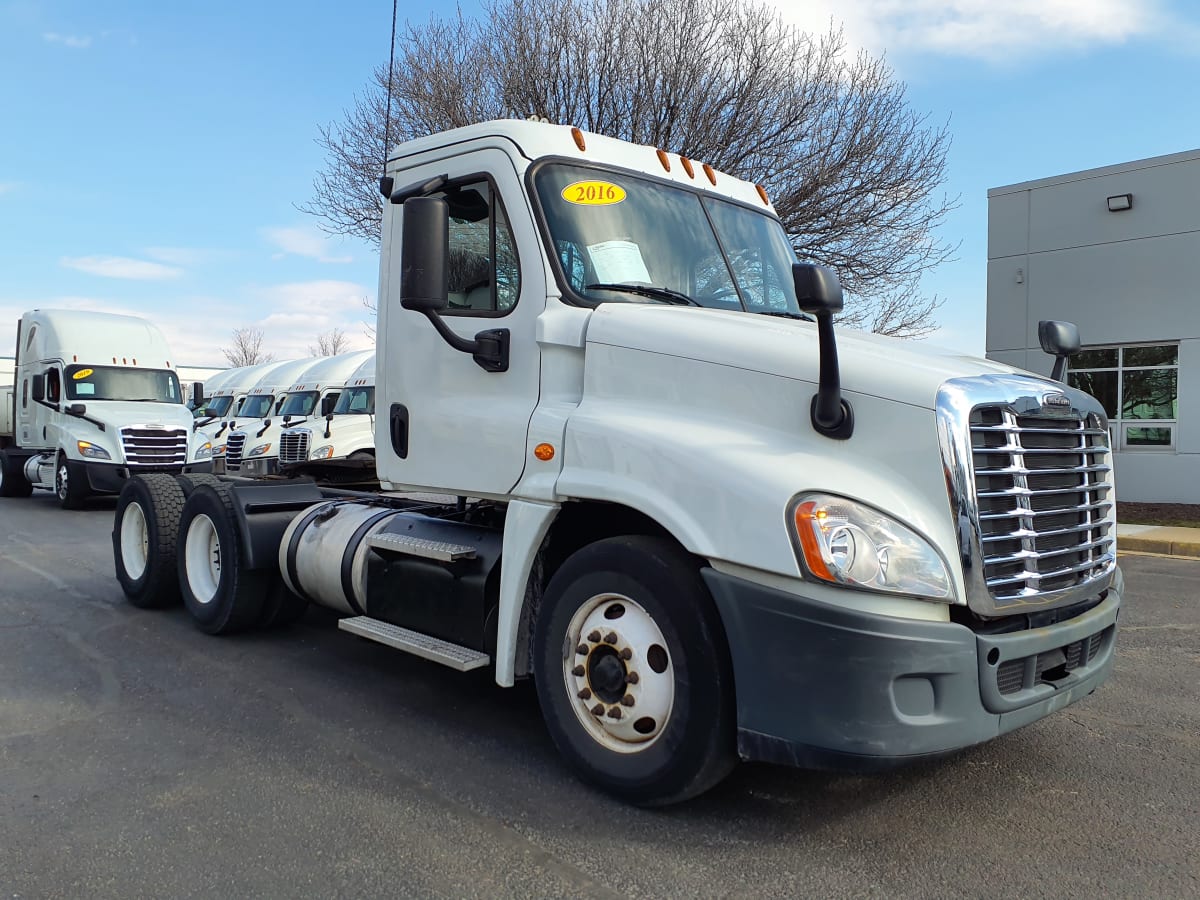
108	478
259	466
820	686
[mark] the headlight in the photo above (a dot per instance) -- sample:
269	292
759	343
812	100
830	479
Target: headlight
218	451
259	450
322	452
205	450
88	450
848	543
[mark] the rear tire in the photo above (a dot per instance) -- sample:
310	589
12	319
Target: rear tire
145	533
69	484
633	673
13	482
221	595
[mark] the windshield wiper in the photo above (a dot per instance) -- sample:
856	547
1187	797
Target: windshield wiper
803	317
667	295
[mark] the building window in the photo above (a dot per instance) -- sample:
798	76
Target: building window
1139	389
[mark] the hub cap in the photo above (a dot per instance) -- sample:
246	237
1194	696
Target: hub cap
618	673
202	558
135	541
62	481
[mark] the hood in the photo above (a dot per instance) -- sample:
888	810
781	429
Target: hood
888	368
121	413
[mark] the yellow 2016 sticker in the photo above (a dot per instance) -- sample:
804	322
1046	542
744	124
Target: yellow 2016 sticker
82	374
593	193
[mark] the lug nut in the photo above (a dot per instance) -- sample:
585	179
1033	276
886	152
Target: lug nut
626	653
585	694
594	636
632	678
614	713
627	700
598	709
610	638
578	671
582	650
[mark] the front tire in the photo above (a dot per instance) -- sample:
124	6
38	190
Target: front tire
221	595
633	672
145	532
69	484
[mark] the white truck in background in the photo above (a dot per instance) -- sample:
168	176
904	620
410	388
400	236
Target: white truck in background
250	398
667	499
96	398
341	447
313	393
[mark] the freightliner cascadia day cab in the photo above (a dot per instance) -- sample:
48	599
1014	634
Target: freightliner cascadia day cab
314	392
262	400
97	399
342	447
222	406
668	500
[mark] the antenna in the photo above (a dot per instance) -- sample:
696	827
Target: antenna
385	183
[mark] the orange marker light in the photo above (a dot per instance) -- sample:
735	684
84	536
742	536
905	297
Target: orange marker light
808	515
664	159
687	166
712	176
578	135
544	452
762	193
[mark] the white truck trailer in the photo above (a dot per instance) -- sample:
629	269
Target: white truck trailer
314	392
96	399
340	449
669	502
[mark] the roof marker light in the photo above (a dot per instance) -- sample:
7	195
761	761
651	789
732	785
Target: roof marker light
664	159
762	193
712	176
687	166
578	135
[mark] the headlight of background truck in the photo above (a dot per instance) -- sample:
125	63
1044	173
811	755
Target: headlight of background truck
848	543
205	450
88	450
259	450
322	452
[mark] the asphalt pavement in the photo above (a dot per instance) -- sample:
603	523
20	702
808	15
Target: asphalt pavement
141	758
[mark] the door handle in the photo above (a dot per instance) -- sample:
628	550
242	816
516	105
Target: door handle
398	426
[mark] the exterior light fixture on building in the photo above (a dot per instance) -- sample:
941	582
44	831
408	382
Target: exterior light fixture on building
1120	202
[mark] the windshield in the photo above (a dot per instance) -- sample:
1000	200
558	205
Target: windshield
357	401
300	403
613	231
216	406
109	383
257	406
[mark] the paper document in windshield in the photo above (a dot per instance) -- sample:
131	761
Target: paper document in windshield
618	262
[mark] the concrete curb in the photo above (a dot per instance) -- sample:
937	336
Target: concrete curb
1162	539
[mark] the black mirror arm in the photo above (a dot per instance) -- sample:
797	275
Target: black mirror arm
831	415
489	348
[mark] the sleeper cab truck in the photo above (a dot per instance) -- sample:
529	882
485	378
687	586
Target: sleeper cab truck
224	402
261	400
708	524
340	447
312	394
96	400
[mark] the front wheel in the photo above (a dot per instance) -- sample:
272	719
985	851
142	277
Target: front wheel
633	673
69	484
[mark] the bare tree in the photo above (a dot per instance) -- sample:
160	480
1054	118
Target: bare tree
853	170
331	343
247	348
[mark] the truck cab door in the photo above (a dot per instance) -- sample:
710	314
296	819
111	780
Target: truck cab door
445	423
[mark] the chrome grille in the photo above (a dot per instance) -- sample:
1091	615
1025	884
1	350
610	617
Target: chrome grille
293	446
154	446
1044	500
234	447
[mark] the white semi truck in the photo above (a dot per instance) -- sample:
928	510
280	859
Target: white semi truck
96	399
260	400
253	449
668	500
341	448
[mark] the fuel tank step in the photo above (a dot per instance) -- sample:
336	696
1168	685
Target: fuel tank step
409	545
464	659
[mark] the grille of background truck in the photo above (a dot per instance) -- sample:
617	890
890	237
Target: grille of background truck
1044	499
293	447
233	451
154	446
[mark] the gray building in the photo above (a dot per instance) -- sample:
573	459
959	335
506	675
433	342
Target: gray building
1117	251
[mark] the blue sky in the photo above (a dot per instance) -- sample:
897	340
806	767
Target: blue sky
152	155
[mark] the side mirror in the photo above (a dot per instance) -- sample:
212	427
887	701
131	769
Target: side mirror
76	409
818	289
1060	340
38	390
197	394
425	242
328	402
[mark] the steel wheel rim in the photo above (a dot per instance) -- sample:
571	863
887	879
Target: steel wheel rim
135	541
63	475
202	559
623	709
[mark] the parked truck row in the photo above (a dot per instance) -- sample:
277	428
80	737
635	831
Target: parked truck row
623	451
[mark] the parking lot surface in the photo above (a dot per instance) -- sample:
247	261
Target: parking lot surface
142	758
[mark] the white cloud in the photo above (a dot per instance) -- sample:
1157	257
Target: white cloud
983	29
121	267
75	41
184	256
301	241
